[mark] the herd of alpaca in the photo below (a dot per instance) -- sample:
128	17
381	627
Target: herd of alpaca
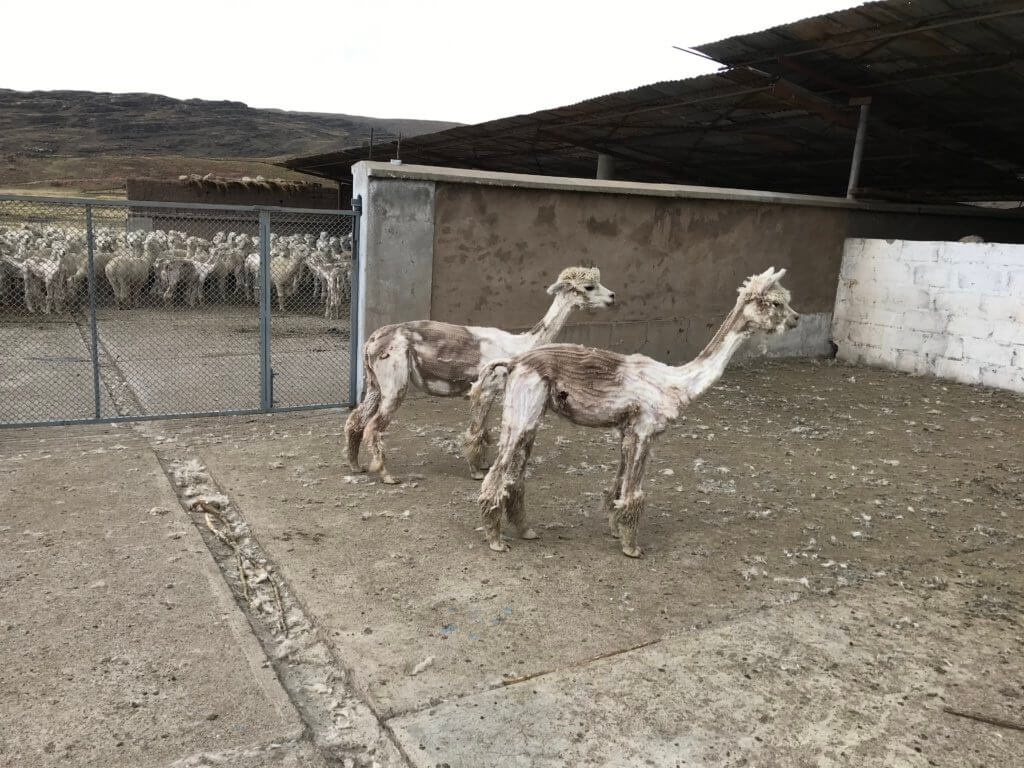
47	266
637	396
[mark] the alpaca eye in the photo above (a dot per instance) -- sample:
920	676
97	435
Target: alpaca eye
590	288
776	303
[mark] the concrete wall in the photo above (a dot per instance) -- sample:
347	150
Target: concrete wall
674	264
955	310
478	247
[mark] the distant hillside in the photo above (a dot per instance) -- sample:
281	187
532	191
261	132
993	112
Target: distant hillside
60	138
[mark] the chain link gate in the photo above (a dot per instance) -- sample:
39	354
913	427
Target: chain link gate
114	310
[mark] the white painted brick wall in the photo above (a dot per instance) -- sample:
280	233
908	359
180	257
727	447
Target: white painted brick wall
954	310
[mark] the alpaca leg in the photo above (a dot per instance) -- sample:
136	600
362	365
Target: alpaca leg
393	378
502	490
515	508
630	504
357	421
496	494
612	494
477	436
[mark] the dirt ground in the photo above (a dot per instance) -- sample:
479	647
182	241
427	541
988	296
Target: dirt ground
832	577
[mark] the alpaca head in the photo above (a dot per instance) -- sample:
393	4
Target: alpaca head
765	303
583	286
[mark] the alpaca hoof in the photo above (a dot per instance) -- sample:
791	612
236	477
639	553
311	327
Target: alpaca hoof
634	552
356	469
613	534
498	546
389	480
529	533
477	474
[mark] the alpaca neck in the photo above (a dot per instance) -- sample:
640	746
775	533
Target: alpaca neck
547	330
701	373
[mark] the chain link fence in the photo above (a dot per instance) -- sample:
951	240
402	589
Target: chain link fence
125	310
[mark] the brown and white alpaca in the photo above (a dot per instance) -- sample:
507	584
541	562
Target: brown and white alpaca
638	396
444	360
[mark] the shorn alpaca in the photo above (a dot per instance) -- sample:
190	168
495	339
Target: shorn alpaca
638	396
444	360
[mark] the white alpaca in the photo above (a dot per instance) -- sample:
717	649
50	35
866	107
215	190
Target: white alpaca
638	396
43	275
444	360
127	276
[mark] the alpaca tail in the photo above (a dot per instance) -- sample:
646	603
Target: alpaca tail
486	389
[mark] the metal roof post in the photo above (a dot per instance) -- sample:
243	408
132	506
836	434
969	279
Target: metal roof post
858	144
605	166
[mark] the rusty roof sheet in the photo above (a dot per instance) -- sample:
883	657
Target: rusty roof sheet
945	78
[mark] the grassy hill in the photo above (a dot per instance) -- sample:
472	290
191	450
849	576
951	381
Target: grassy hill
80	141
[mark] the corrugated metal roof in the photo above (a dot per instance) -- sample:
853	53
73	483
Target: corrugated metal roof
945	78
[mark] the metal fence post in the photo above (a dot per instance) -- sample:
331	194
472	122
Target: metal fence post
90	244
266	373
353	327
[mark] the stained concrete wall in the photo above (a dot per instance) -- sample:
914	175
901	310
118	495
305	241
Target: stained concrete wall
674	264
396	245
954	310
480	248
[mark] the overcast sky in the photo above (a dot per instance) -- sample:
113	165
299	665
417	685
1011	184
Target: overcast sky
458	60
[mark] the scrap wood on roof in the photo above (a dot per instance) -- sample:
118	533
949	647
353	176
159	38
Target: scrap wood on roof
944	79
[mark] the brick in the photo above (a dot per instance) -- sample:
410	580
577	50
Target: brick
874	314
964	371
885	358
913	362
1017	283
862	333
989	352
937	276
941	345
967	253
857	267
1011	256
1001	377
957	302
905	339
971	327
930	322
893	272
1003	308
853	248
1018	357
983	279
1007	332
904	297
916	251
954	348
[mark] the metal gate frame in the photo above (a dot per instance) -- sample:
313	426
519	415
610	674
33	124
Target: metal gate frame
266	383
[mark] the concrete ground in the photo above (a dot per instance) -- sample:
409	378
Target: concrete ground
157	360
833	577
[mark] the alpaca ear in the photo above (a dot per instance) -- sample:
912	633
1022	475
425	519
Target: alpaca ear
556	287
778	275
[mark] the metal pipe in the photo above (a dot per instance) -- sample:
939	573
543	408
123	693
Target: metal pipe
92	313
353	327
858	147
605	166
266	373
